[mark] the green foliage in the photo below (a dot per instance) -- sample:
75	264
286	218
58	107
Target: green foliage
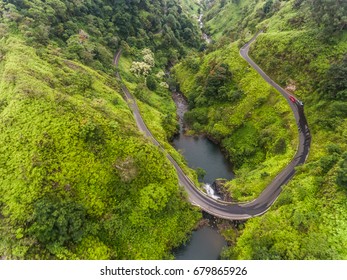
252	123
197	115
233	18
330	15
334	86
78	181
215	83
200	173
91	132
315	73
91	31
280	146
151	83
217	79
295	227
267	6
158	111
57	223
74	167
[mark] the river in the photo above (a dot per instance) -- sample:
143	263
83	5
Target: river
206	243
199	151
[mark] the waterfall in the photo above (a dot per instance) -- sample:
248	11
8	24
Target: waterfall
200	21
210	191
204	35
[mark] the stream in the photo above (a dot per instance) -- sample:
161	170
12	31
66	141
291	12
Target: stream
199	151
207	38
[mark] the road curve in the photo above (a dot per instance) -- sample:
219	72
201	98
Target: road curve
227	210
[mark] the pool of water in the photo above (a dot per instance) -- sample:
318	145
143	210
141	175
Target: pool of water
199	151
205	243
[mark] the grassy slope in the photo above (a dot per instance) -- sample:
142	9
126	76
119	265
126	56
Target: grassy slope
309	219
240	126
78	181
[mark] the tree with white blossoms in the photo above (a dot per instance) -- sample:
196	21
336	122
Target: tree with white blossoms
149	60
143	67
164	85
147	51
160	74
140	68
148	57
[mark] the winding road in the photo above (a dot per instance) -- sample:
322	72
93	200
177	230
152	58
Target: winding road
257	207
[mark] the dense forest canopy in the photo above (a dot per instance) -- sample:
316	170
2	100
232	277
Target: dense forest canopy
91	29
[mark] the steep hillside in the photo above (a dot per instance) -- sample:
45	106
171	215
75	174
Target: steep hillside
304	49
191	6
229	18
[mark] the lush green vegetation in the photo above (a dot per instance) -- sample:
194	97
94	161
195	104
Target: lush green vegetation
193	7
156	106
78	180
232	104
304	49
88	30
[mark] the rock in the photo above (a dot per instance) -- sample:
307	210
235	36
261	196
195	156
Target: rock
219	186
219	183
202	223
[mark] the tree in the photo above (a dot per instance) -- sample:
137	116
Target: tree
148	57
57	222
216	82
140	68
188	35
267	6
79	46
331	15
151	83
171	21
335	84
200	172
144	67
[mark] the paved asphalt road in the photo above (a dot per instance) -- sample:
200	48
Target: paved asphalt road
260	205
